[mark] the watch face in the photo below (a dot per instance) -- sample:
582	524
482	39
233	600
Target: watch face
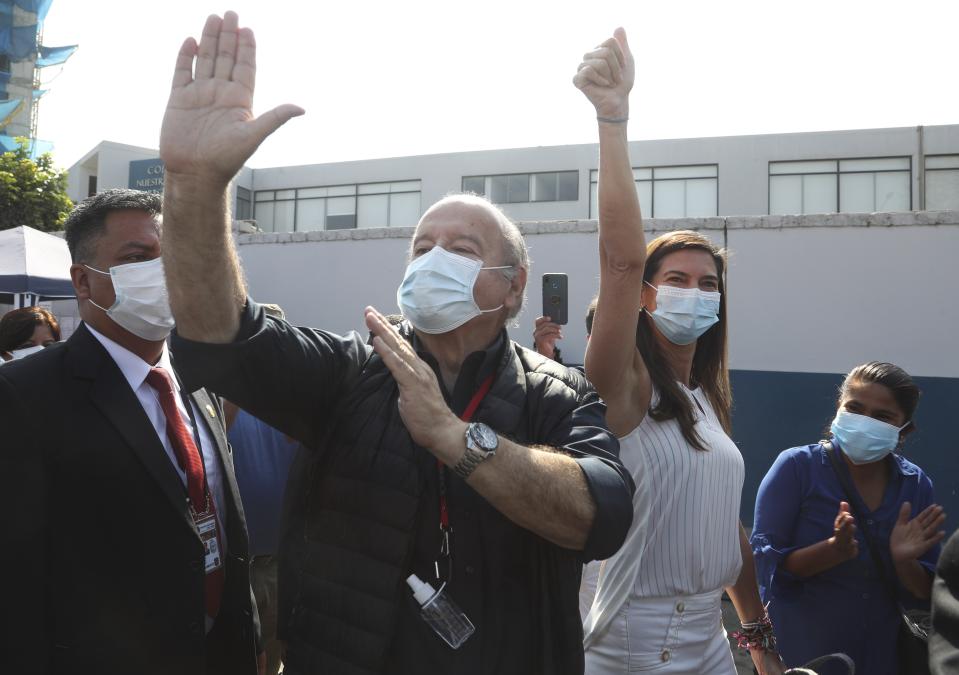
484	436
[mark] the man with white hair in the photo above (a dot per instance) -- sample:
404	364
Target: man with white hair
443	453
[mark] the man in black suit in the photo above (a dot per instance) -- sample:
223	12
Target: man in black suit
124	545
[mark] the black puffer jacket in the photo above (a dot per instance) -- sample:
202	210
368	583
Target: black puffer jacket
349	535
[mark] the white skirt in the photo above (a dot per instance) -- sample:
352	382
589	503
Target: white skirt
683	634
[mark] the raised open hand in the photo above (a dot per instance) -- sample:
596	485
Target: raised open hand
606	76
911	538
209	130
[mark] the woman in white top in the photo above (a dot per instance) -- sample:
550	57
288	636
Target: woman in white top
657	355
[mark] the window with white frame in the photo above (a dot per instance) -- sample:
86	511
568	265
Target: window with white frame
670	191
242	211
861	185
551	186
338	207
942	182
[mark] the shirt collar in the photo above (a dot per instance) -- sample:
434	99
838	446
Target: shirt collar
476	367
134	369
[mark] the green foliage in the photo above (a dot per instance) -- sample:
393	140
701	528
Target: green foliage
32	193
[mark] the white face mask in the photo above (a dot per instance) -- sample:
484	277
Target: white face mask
436	294
20	353
142	305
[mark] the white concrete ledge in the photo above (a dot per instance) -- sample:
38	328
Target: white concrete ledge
903	219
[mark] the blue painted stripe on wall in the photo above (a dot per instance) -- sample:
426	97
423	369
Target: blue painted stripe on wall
779	410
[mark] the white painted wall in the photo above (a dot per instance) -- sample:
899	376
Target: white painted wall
806	294
809	294
824	299
326	284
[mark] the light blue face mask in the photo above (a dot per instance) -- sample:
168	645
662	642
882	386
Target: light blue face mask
864	439
436	294
684	314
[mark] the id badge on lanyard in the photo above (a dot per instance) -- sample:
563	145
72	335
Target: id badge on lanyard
209	535
206	526
205	521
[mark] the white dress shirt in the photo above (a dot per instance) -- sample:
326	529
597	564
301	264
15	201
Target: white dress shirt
135	371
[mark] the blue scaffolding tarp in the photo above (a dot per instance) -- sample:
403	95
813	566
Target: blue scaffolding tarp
8	109
39	7
37	146
54	56
18	42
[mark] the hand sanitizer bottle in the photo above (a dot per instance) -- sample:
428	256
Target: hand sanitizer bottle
441	613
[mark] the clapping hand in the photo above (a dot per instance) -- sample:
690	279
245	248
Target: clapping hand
910	539
606	77
843	539
209	130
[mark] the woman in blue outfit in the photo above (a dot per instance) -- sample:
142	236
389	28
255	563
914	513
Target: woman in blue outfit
824	592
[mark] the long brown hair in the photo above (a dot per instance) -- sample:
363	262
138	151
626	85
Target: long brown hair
710	363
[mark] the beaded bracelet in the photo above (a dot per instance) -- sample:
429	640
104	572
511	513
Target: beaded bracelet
756	634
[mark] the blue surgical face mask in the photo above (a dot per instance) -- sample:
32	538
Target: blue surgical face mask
864	439
684	314
436	294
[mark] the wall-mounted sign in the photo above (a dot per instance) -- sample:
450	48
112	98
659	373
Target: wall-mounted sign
146	175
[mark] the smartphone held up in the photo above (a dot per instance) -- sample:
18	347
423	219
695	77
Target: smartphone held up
556	297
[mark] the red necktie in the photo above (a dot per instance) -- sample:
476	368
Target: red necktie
190	461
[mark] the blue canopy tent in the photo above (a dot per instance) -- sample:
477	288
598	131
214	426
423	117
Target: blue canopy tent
34	266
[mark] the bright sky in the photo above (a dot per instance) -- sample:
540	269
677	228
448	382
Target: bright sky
386	79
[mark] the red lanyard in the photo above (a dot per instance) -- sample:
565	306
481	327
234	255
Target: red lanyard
466	417
444	511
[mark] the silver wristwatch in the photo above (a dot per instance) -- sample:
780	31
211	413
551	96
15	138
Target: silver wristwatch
481	444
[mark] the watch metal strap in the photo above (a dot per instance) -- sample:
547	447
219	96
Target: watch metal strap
468	462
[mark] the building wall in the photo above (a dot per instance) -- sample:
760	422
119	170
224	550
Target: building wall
810	297
110	163
743	165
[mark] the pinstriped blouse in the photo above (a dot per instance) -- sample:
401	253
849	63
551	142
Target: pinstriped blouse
685	534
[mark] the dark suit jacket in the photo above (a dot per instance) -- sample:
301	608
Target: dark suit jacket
944	642
100	563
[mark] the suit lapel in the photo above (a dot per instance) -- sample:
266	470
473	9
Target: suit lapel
111	394
212	416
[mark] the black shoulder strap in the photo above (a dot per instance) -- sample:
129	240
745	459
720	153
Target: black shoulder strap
853	504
